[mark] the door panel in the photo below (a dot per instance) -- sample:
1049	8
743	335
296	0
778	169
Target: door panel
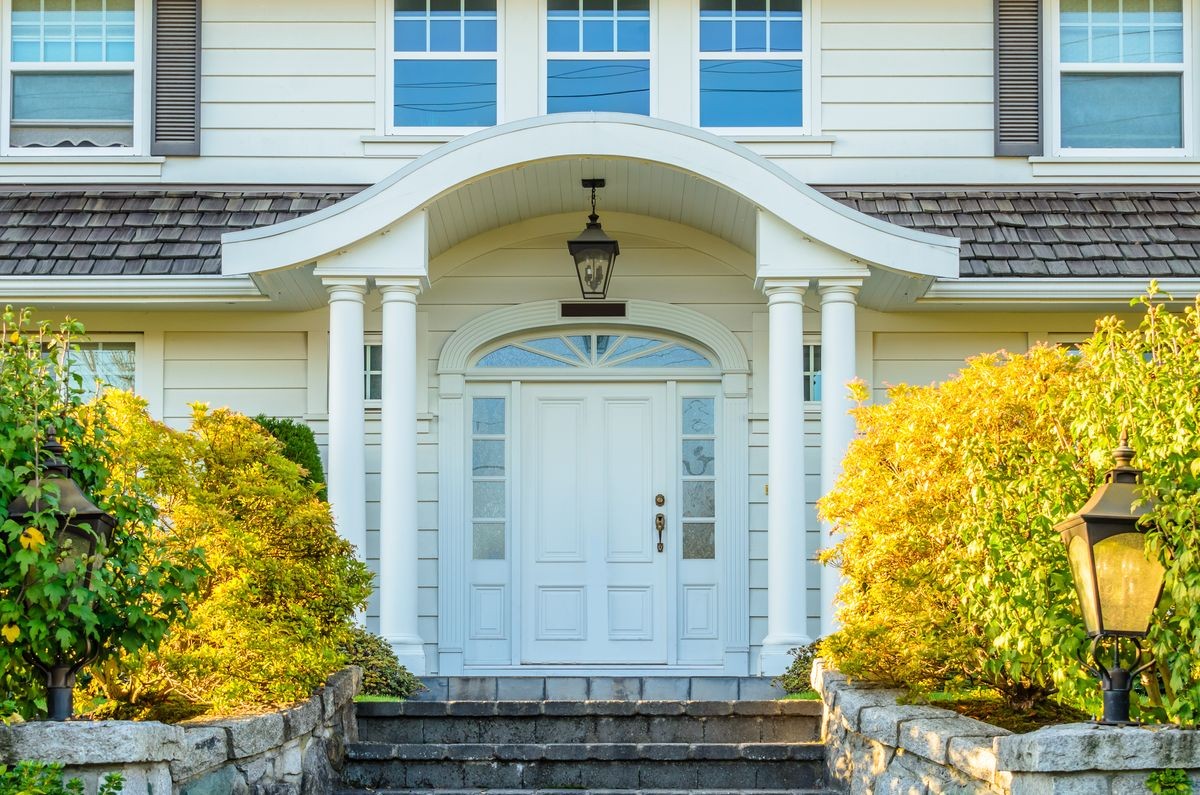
593	584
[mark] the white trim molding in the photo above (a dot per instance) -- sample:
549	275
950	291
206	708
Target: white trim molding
1055	290
123	289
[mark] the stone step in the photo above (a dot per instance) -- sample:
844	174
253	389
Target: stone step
598	688
624	766
510	722
588	792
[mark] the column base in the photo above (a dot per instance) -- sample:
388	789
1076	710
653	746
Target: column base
775	657
410	652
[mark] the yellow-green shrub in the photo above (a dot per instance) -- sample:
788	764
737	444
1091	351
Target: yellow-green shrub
282	586
954	574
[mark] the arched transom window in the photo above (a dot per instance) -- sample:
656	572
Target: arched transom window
595	350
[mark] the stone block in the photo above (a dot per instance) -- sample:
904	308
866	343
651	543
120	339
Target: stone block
756	707
253	735
92	742
203	748
972	756
883	723
930	737
714	751
660	752
611	707
412	709
302	718
259	770
1085	746
472	688
657	708
666	688
609	776
1069	784
760	688
224	781
340	689
471	708
715	688
290	761
764	751
619	730
522	709
674	730
812	709
432	775
566	688
709	708
1133	783
316	772
732	774
676	775
521	688
852	701
437	688
498	730
519	752
732	730
615	688
610	752
465	751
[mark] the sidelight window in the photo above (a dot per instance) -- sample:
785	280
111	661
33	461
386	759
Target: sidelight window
489	478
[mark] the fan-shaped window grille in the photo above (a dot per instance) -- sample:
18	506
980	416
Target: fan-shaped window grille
595	351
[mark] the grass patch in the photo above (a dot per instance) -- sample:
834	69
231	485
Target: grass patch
804	695
377	699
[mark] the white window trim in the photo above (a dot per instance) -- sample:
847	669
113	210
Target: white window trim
811	340
387	74
545	55
1054	94
809	85
139	363
143	20
369	339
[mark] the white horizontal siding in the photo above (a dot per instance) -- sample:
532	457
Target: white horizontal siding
926	358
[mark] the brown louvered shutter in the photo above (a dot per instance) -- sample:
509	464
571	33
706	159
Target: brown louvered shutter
1018	77
176	78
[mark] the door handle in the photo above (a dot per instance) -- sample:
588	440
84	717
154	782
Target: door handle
660	524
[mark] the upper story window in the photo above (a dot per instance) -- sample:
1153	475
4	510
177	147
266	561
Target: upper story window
598	56
752	63
444	63
72	75
1122	75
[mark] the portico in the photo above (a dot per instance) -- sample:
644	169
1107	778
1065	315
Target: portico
672	190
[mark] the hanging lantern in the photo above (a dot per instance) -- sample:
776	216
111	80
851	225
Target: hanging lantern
594	252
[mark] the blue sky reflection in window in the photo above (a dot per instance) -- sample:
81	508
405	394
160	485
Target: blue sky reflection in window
576	80
455	91
751	85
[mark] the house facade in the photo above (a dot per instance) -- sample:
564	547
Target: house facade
357	214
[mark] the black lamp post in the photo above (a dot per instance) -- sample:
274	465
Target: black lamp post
81	529
1118	585
594	252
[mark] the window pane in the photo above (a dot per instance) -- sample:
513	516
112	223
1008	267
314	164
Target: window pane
444	35
698	416
751	93
698	457
374	386
512	356
445	93
479	35
563	35
614	86
1168	45
1106	44
562	8
750	36
716	8
750	8
716	36
488	499
487	416
672	356
699	541
1073	44
1073	12
699	499
480	8
487	458
109	363
410	35
555	345
597	35
633	35
375	357
73	96
1121	111
487	541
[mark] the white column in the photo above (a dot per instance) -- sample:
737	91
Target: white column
347	474
398	475
787	561
837	425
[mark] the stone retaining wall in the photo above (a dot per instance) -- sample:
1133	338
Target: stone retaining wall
291	752
875	745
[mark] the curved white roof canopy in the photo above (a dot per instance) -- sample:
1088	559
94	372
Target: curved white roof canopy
597	137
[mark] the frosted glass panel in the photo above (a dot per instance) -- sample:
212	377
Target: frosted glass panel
488	416
1121	111
594	350
699	541
698	458
699	499
488	499
487	457
512	356
672	356
698	416
487	541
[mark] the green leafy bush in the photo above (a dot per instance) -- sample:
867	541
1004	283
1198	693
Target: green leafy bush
42	778
954	574
1169	782
282	587
383	675
798	677
299	447
48	611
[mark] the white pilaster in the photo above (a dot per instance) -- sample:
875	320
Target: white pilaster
398	474
838	354
347	474
787	586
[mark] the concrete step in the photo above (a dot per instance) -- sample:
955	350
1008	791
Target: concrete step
598	688
509	722
575	766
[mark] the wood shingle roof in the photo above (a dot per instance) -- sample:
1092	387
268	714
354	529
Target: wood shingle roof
1049	232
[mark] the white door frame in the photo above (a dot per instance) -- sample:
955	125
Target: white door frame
732	484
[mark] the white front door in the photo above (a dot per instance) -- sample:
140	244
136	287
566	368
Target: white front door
593	579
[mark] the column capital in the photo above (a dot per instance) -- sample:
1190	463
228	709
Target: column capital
783	290
835	290
345	288
401	288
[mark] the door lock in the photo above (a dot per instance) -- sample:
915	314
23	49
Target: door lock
660	524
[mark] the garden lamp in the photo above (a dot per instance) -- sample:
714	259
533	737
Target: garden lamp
81	529
594	252
1117	584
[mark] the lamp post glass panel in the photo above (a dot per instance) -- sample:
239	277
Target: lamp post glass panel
81	531
1118	586
594	252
